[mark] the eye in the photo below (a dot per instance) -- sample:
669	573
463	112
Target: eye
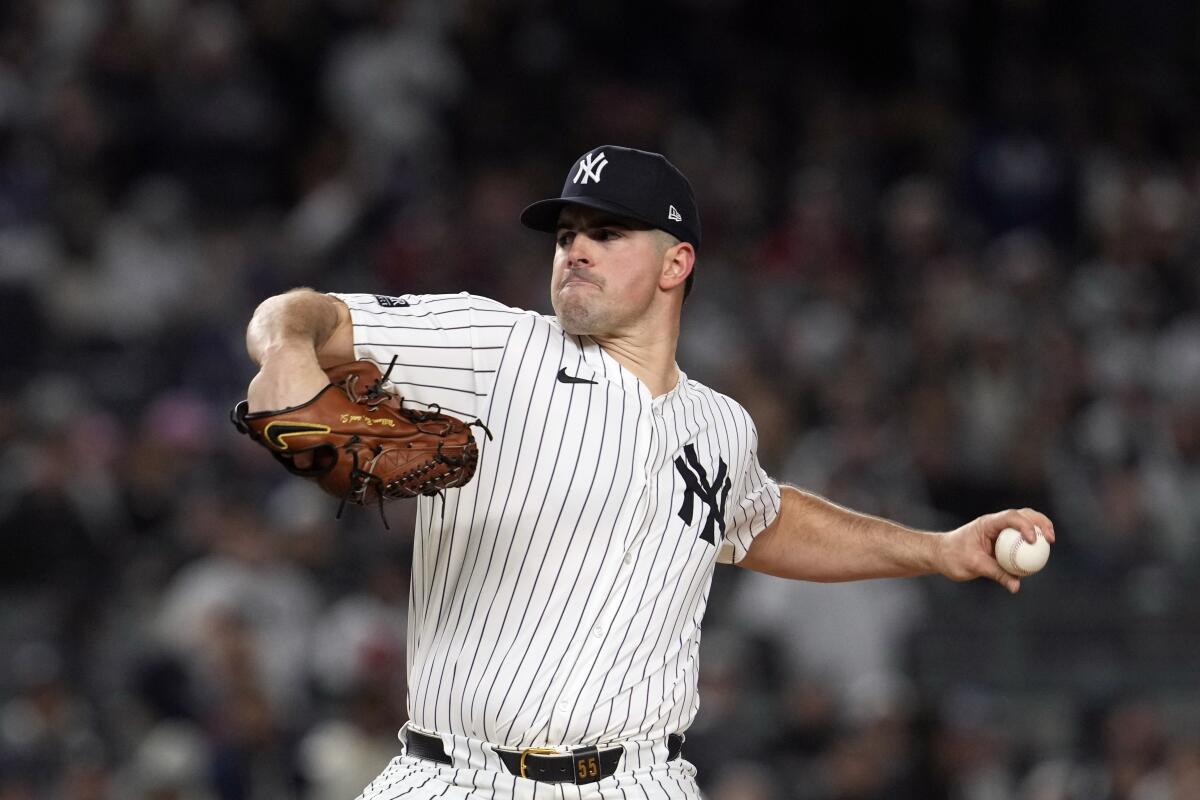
565	238
604	234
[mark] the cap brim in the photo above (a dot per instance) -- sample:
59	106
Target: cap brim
543	215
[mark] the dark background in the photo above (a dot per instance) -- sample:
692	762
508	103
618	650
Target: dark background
951	263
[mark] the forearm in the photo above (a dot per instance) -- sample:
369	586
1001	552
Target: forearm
292	325
817	540
292	337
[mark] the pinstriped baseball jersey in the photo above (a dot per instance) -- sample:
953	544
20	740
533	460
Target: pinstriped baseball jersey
558	600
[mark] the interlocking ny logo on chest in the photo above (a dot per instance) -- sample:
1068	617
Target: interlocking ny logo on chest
713	495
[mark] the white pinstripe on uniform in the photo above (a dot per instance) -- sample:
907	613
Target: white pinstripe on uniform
559	600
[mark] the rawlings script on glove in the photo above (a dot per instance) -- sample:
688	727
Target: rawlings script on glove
359	443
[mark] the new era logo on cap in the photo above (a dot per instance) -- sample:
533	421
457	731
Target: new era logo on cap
630	183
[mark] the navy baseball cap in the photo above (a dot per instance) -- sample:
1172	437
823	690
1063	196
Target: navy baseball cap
630	183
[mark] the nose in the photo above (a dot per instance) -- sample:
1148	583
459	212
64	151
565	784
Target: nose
577	253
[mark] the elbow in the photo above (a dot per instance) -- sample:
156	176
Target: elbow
278	303
274	306
299	316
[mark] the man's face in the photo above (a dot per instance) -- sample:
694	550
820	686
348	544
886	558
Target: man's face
606	271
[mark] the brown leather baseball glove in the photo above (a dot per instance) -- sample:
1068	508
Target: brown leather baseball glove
359	442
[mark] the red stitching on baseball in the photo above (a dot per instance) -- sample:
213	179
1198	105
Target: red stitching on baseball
1012	558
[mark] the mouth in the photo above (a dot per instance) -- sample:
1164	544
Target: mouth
575	281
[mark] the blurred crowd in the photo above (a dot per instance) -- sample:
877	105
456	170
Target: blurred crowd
951	263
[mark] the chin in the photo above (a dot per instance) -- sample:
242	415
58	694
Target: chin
574	325
576	319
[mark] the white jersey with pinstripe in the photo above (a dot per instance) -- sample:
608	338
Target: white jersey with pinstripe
557	599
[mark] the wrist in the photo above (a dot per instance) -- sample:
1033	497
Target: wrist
939	557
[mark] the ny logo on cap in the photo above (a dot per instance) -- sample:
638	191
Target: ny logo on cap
590	166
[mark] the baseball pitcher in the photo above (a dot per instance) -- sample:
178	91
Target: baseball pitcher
576	492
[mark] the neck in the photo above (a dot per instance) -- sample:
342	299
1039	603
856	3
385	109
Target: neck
649	356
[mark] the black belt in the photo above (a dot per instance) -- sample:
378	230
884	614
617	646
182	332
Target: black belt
584	765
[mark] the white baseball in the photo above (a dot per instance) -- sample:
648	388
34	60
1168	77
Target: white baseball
1019	557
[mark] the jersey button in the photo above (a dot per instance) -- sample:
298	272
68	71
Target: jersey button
597	631
628	558
564	707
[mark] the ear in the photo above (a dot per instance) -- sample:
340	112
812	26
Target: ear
677	264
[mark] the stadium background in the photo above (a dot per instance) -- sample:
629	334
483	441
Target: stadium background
951	263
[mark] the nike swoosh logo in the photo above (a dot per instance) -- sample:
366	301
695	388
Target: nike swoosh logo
278	432
563	377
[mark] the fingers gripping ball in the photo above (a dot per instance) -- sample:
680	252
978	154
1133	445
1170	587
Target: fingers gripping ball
1019	557
359	442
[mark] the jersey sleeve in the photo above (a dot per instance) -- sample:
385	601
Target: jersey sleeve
755	502
442	349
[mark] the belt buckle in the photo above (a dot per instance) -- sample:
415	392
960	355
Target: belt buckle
537	751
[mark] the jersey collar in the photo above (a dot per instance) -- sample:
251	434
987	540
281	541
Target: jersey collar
610	369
